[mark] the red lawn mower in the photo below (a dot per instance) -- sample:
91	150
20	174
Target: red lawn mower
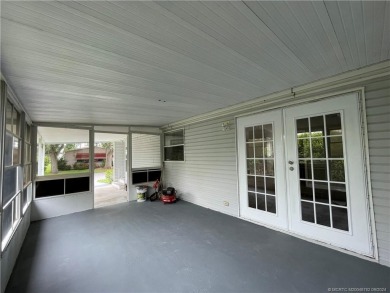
168	195
165	195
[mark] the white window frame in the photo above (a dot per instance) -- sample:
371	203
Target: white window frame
176	145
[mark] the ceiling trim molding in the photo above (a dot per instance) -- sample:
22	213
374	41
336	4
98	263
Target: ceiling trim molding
350	78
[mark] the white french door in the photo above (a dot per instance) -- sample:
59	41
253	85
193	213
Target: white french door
320	190
262	180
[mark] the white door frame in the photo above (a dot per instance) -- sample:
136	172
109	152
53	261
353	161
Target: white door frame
362	116
279	219
357	239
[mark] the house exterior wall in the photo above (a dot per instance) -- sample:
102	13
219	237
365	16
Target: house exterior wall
208	176
378	124
70	156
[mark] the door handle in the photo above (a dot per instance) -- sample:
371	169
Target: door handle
291	162
291	168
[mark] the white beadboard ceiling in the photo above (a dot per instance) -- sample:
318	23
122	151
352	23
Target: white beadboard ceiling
111	62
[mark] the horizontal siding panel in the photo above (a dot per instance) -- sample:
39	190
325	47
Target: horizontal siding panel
382	201
381	100
375	176
378	143
382	224
382	160
380	152
384	126
380	193
383	210
378	110
378	97
208	177
384	255
383	185
380	168
378	124
378	119
384	238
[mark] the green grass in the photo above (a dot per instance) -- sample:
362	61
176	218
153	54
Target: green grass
48	171
105	180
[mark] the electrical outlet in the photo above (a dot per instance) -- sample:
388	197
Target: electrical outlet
226	203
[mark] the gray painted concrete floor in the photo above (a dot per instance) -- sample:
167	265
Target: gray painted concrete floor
108	195
151	247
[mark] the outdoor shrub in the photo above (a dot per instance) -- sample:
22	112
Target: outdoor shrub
80	166
109	177
47	162
63	165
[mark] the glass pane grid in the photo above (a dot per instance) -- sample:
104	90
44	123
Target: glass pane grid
322	171
260	167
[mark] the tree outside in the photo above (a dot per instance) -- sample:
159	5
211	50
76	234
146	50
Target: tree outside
55	152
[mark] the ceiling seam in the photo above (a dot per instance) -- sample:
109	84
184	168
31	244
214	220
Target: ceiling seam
292	52
167	50
221	44
334	31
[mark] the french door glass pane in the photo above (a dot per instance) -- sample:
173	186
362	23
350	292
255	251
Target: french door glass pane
250	167
305	169
260	186
317	126
249	134
335	147
318	147
252	200
259	150
336	170
321	192
307	190
269	168
250	152
259	167
323	215
251	183
304	148
340	218
258	132
338	194
268	132
333	124
302	126
271	207
321	170
261	163
307	210
261	202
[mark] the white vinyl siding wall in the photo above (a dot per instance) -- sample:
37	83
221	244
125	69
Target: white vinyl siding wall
208	176
378	124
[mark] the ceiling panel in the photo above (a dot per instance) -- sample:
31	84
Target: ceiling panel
153	63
